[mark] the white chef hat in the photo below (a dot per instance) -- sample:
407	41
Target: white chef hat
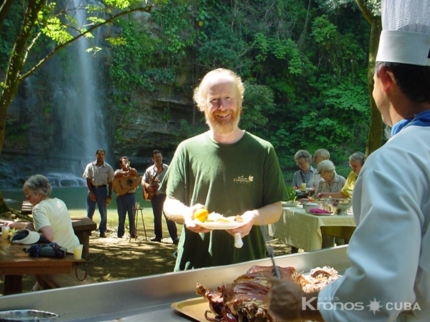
405	36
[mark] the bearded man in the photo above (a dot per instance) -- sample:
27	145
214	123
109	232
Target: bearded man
225	170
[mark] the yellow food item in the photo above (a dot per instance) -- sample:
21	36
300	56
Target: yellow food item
201	214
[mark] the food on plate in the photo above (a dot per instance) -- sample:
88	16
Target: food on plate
247	298
214	217
201	214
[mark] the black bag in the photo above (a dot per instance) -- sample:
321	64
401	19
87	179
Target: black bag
47	250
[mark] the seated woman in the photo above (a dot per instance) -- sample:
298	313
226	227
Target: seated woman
332	182
50	215
303	159
356	161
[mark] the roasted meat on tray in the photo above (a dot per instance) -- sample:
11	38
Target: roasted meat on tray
247	298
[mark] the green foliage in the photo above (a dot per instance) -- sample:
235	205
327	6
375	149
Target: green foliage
51	25
174	20
258	107
130	57
290	193
303	63
8	33
282	49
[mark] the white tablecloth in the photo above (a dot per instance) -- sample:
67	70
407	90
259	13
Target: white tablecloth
302	230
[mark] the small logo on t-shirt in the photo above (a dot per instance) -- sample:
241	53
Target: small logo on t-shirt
242	179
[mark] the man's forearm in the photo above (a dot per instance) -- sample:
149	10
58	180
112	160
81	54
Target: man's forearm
268	214
176	210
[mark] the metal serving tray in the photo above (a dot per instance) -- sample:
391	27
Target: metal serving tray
150	298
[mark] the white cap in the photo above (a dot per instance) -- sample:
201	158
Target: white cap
405	36
25	236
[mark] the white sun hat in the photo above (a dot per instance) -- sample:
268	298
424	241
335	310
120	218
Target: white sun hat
405	36
25	236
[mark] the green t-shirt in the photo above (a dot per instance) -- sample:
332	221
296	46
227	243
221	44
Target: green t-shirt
228	179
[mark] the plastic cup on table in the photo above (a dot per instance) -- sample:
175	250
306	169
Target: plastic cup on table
5	232
137	205
77	251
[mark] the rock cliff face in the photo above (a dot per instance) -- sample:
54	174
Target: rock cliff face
35	143
42	138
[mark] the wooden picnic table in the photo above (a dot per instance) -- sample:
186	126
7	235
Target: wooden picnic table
83	227
15	262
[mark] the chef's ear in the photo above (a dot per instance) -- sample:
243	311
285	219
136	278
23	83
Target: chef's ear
386	77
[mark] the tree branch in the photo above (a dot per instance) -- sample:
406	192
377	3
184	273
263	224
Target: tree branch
365	11
56	49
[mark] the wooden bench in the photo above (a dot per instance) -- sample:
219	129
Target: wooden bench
81	226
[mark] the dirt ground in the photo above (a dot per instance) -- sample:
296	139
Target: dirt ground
115	258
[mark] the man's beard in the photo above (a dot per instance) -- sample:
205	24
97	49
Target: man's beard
223	126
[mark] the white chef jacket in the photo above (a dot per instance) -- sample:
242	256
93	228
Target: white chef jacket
390	248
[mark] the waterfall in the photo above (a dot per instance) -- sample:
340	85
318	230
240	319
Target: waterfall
80	101
62	106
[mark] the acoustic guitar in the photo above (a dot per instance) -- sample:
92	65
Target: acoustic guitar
123	185
153	182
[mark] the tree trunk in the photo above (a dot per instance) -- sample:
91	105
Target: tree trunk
17	62
374	139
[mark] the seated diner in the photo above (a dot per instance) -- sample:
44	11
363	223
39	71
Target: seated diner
51	217
356	161
332	181
306	173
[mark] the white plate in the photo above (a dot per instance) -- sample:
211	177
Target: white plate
218	225
290	203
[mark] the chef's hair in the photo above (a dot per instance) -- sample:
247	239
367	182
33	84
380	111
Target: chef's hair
412	80
38	183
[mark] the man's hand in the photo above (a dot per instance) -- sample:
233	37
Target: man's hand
286	300
189	220
93	196
248	218
108	200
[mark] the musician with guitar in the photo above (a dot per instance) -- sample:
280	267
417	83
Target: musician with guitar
150	181
124	184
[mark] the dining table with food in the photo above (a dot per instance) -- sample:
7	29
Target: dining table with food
302	224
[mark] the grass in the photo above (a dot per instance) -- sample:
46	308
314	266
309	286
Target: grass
112	219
